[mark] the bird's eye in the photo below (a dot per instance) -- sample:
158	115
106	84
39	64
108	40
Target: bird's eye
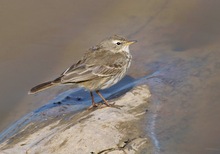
118	43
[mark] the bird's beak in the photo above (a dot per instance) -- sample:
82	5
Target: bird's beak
131	42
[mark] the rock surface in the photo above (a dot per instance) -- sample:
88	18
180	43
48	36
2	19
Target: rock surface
105	130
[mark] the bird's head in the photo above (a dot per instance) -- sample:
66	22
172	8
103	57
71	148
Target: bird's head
116	44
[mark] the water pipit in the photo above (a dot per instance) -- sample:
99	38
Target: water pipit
101	67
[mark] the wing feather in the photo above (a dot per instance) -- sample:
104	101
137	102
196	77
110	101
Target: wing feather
94	65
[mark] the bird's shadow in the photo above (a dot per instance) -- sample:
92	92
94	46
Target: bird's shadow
80	98
68	102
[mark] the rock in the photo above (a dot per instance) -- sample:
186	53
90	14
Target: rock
106	130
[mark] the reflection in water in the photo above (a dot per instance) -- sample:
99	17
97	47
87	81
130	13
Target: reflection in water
177	41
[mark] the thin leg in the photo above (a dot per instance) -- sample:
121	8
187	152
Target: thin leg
106	102
100	95
93	101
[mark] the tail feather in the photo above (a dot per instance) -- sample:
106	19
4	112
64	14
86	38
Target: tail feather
41	87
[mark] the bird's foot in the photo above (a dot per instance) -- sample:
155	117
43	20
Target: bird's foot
113	105
93	106
103	105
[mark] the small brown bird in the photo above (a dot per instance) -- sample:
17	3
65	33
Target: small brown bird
101	67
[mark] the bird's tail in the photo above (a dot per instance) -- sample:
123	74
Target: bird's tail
44	86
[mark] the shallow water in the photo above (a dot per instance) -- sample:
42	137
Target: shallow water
177	43
186	105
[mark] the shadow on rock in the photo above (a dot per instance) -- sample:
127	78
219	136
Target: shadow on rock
68	102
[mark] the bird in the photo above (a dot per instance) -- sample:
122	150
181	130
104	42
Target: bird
102	66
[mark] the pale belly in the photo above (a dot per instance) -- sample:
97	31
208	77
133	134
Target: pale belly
118	77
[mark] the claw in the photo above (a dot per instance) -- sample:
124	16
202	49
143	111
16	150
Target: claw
111	105
94	105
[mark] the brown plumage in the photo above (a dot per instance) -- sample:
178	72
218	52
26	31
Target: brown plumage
101	67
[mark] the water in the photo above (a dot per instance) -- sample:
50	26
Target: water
177	43
186	105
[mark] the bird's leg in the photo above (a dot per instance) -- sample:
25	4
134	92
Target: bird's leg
105	101
93	102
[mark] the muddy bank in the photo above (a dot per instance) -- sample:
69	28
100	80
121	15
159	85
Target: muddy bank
106	130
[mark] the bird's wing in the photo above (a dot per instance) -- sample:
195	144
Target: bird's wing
106	70
94	65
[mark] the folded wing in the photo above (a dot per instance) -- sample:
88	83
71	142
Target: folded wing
94	66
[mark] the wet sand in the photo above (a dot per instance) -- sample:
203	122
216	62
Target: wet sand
177	42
